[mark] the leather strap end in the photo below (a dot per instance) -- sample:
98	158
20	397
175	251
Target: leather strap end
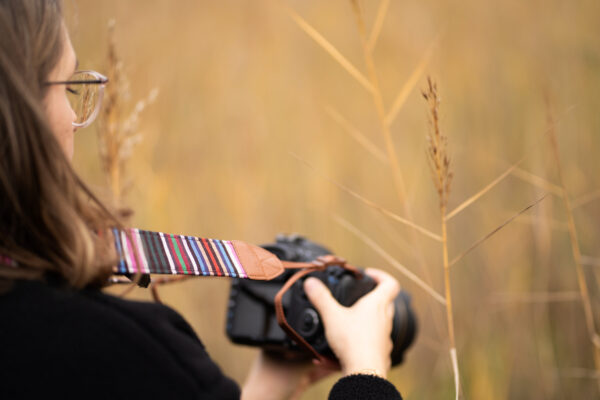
258	263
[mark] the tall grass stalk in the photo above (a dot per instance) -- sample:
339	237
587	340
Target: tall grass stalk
439	162
576	251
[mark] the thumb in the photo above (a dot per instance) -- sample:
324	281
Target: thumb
320	296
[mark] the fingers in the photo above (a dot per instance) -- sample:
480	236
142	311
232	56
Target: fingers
387	286
320	296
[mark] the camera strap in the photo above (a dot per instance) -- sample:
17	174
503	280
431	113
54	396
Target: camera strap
147	252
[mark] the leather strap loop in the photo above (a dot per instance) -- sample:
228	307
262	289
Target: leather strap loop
279	312
320	264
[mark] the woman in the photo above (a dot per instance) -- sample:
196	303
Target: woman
59	334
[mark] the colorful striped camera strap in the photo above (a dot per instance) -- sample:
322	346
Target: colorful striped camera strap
146	252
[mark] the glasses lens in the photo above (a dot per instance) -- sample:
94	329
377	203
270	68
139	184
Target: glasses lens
84	98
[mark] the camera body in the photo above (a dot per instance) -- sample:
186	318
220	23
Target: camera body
251	318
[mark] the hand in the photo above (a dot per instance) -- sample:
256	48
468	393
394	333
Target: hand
360	336
274	379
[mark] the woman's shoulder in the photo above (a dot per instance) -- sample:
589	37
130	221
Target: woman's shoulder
97	337
37	303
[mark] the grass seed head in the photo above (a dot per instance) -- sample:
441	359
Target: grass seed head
118	133
439	161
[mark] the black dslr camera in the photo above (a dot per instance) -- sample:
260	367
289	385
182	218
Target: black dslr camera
251	318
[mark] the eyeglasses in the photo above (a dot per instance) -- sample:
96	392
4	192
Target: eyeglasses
85	90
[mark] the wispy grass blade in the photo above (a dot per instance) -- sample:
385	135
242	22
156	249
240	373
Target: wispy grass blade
405	271
380	108
357	135
585	199
483	191
590	261
489	235
537	181
330	49
376	30
371	203
409	85
552	223
539	297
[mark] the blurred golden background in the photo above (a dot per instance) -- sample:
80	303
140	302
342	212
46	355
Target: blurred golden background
242	87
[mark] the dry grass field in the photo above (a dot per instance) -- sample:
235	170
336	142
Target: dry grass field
270	118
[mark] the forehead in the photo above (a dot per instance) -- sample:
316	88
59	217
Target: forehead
70	52
68	59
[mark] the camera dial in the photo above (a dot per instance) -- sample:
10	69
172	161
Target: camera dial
309	323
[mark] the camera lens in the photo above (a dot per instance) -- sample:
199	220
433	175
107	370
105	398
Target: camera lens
404	327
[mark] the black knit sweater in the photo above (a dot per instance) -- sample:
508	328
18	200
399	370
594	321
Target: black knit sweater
57	343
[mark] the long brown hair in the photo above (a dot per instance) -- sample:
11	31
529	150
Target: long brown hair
49	220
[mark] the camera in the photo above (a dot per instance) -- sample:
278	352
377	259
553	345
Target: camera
251	318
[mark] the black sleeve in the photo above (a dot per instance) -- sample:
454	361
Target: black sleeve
363	387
